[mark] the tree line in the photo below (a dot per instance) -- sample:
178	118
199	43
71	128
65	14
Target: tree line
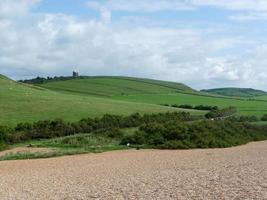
189	106
41	80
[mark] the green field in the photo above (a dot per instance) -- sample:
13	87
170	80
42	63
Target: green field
110	86
156	92
245	107
236	92
74	99
84	97
25	103
264	98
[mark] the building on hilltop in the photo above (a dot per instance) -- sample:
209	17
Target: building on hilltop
75	74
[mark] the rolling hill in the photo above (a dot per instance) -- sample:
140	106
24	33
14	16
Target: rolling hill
153	92
236	92
22	103
110	86
78	98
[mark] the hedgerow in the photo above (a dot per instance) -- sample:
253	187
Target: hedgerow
201	134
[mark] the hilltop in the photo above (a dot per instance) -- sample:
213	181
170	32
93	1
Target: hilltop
74	98
236	92
139	90
110	85
21	102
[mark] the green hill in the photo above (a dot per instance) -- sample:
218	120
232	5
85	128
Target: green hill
236	92
73	99
152	92
110	86
21	102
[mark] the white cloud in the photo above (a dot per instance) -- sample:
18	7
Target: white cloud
140	5
160	5
55	44
105	15
16	7
252	9
247	5
251	16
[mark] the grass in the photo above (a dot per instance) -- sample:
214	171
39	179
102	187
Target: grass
25	103
70	145
237	92
244	106
157	92
263	98
109	86
72	100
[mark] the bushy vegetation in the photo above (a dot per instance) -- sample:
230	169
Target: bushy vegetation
197	107
42	80
201	134
251	118
264	118
221	113
108	124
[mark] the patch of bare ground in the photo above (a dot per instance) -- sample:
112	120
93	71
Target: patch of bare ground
24	150
232	173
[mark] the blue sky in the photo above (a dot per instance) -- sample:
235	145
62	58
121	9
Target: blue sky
203	43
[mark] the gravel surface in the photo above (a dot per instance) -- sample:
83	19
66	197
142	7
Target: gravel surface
233	173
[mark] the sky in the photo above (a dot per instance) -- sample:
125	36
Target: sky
202	43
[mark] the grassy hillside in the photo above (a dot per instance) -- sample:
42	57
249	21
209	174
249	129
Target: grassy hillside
94	96
244	106
21	102
153	92
263	98
110	86
236	92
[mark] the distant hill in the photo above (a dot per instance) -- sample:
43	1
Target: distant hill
20	102
74	98
236	92
112	86
139	90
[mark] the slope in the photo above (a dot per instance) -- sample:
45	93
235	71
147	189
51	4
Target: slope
244	106
22	103
236	92
153	92
110	86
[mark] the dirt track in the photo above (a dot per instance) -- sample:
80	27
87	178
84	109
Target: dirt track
235	173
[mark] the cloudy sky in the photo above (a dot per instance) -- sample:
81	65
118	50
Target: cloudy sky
203	43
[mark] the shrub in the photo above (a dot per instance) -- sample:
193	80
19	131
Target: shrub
201	134
264	117
226	112
173	144
243	119
110	124
202	107
113	133
186	106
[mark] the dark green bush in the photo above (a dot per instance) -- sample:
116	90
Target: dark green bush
173	144
203	107
222	113
109	124
186	106
243	119
201	134
264	117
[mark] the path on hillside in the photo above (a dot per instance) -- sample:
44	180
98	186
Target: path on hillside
233	173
